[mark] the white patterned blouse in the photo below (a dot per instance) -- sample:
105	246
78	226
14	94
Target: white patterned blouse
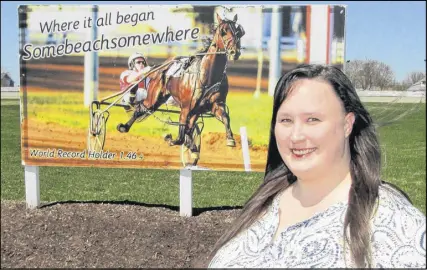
398	239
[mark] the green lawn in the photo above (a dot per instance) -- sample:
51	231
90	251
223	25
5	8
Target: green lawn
403	145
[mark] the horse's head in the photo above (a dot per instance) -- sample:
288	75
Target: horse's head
227	36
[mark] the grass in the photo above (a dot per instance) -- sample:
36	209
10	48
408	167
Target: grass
403	148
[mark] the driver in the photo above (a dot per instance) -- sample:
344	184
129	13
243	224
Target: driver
138	67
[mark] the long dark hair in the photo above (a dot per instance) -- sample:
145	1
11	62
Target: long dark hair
365	165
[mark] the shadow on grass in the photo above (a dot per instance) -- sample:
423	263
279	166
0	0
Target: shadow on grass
196	211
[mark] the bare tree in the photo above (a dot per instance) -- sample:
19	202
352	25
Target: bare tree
414	77
369	74
383	75
353	70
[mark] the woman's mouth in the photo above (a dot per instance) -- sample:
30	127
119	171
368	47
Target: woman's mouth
302	152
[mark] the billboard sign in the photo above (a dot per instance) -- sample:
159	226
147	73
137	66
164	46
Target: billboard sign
161	86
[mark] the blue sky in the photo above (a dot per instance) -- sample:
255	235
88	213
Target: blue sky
391	32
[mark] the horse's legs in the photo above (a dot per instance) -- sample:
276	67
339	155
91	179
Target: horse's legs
218	109
182	129
189	138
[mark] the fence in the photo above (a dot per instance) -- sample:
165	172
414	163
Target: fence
10	93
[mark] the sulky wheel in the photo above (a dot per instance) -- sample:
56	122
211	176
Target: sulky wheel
97	130
190	149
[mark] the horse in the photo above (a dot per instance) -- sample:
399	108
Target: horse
202	87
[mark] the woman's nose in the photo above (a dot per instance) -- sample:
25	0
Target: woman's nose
297	133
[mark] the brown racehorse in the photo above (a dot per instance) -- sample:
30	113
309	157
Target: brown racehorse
203	87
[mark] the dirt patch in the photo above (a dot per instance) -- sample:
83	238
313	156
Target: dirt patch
96	235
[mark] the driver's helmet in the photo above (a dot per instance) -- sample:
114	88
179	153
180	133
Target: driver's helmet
131	63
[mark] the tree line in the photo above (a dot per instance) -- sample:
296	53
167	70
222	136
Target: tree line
376	75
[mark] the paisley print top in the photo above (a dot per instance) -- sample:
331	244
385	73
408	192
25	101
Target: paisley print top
398	239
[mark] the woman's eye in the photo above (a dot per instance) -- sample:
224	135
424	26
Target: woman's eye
285	120
313	119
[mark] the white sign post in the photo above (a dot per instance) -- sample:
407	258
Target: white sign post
32	186
186	180
185	192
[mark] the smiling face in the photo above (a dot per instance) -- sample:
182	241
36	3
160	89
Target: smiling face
312	130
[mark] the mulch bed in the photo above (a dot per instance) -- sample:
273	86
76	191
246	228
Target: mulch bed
105	235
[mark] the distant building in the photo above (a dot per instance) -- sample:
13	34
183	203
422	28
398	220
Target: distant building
418	86
6	80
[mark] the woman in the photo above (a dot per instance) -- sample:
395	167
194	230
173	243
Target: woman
323	179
